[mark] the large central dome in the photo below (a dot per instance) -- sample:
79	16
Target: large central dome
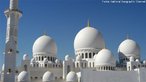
89	37
44	45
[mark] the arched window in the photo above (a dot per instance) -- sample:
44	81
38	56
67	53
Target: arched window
48	58
36	77
77	64
93	54
25	67
51	58
39	58
9	70
42	58
90	55
68	68
33	65
82	55
45	65
86	55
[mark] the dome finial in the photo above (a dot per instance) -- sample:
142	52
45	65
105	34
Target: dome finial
88	23
104	46
45	33
127	36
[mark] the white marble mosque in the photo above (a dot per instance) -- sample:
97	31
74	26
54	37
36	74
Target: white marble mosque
92	63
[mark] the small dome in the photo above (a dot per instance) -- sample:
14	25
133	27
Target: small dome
94	56
79	74
78	58
45	60
32	61
105	58
25	57
89	37
71	77
137	60
144	62
57	61
23	77
48	76
45	45
67	58
129	48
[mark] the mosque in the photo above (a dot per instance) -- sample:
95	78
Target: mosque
92	63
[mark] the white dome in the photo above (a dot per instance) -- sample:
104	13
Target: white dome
71	77
48	76
105	58
57	61
44	45
32	61
25	57
144	62
79	74
67	58
45	60
23	77
89	37
137	60
129	48
78	58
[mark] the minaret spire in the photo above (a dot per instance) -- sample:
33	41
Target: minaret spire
12	14
13	4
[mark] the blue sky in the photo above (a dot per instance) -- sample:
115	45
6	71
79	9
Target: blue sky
62	19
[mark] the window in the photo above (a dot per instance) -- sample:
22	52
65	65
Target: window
86	55
48	58
42	58
89	55
93	54
45	65
25	67
77	65
85	65
9	70
68	69
16	71
82	55
39	58
36	77
51	58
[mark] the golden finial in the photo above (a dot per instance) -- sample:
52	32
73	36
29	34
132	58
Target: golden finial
88	23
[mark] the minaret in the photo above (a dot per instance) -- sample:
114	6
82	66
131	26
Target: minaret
12	14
